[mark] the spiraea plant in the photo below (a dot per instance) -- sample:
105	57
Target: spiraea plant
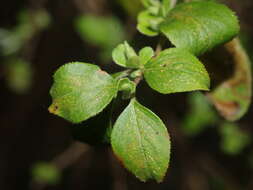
139	138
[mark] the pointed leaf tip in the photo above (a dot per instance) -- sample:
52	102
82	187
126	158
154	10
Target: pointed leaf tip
138	137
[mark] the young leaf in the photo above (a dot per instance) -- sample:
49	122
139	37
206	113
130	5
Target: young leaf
233	97
126	85
133	62
80	91
141	141
200	26
176	70
122	54
148	23
145	55
120	74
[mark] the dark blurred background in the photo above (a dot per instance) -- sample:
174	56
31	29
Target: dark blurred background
37	149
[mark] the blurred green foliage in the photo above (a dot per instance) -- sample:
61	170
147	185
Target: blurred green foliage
11	41
19	75
131	7
200	116
46	173
234	140
13	44
102	31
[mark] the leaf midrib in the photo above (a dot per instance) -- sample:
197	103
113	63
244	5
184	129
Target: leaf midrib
142	146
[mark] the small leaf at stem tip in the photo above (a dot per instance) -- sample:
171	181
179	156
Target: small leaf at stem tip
176	70
148	24
200	26
122	54
145	55
80	91
120	74
133	62
124	84
141	142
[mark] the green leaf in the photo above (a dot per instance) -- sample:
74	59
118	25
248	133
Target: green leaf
105	32
234	140
43	172
133	62
200	26
120	74
118	55
125	56
176	70
148	24
125	84
232	98
80	91
141	141
145	55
